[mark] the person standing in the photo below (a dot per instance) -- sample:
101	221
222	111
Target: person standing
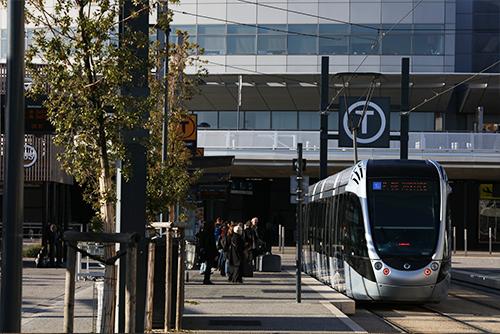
236	258
54	246
208	250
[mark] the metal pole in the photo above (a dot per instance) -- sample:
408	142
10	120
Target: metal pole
355	143
323	144
465	241
148	317
454	240
299	225
489	238
405	106
283	240
13	203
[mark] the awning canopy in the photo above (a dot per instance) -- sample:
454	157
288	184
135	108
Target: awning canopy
301	92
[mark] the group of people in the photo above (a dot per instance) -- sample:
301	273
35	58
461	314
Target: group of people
230	247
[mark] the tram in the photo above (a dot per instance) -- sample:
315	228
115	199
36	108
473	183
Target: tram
380	231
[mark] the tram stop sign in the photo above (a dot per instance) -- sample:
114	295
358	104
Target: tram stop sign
374	128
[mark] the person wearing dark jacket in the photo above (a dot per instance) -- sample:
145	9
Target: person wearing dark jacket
207	250
236	257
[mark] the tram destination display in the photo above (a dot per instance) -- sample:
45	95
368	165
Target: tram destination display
402	186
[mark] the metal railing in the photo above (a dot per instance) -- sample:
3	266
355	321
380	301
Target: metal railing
287	140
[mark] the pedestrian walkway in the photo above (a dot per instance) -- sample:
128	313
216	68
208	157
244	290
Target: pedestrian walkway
478	268
266	303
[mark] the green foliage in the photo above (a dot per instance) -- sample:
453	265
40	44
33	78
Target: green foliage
85	69
31	251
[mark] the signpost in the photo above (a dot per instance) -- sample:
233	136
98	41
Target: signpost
189	133
298	166
375	125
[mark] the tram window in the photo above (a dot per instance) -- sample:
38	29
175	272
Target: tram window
354	221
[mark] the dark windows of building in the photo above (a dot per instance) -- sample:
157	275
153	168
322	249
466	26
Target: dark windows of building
257	120
428	39
212	38
309	120
284	120
419	121
190	29
364	40
241	40
334	39
207	120
398	40
302	39
227	120
3	43
489	212
271	39
333	121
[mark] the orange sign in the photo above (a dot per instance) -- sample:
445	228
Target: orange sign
188	128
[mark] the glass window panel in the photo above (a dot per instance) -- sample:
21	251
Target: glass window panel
213	45
363	45
227	119
333	45
240	45
333	121
3	43
395	121
284	120
190	29
365	29
424	44
309	120
428	28
257	120
301	45
333	29
211	29
240	29
207	119
487	43
394	29
272	29
396	45
422	121
271	45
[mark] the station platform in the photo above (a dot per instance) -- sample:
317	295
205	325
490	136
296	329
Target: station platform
266	303
478	268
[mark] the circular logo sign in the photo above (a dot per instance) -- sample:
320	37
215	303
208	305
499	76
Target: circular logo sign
371	110
30	156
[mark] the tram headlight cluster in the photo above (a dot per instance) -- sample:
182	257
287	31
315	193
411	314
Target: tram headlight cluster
434	266
378	265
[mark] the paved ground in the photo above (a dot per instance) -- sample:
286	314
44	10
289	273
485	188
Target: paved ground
477	268
265	303
43	301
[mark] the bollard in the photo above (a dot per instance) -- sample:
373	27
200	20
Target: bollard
69	292
489	238
283	238
465	242
454	240
279	238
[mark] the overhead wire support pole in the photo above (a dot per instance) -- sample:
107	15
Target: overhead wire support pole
405	107
13	203
323	145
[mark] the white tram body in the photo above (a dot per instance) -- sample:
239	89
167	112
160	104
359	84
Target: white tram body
379	231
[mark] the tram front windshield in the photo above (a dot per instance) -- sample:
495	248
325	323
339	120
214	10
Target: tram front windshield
404	216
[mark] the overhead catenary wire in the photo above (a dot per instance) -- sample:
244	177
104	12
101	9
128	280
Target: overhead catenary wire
427	100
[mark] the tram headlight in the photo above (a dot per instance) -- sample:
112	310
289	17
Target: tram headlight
434	266
378	265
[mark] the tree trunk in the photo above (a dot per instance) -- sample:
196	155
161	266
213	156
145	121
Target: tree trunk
110	272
